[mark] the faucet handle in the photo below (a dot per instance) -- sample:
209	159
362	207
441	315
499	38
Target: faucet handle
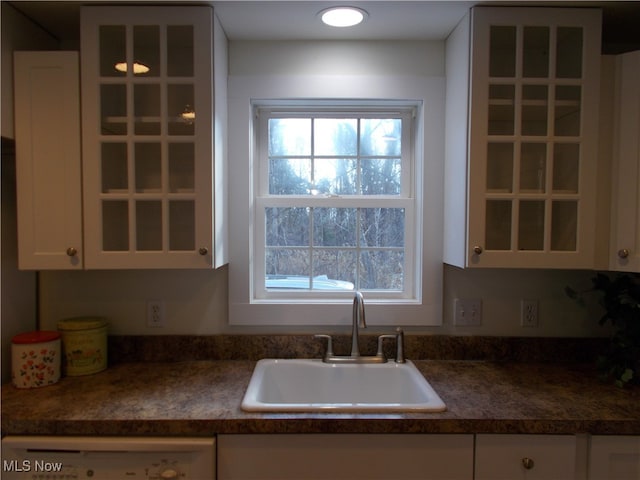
399	337
329	352
400	346
380	339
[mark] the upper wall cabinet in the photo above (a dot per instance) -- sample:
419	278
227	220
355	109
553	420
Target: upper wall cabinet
154	116
521	138
48	170
625	231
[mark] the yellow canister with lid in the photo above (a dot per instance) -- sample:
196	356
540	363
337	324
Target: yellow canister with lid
84	345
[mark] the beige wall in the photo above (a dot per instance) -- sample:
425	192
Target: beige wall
18	33
197	301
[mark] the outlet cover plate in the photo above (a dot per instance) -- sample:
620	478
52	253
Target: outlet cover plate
529	313
155	314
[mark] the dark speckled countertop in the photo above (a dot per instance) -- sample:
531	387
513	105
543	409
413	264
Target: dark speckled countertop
202	397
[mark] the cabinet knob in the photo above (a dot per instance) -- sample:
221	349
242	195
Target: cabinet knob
527	463
72	252
477	249
623	253
203	250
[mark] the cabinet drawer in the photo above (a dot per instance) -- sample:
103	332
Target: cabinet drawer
515	457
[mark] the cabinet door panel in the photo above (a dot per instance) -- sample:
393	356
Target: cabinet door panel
148	137
526	457
532	115
625	241
345	457
614	458
48	172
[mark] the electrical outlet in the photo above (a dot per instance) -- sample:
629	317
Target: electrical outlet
467	312
529	313
155	313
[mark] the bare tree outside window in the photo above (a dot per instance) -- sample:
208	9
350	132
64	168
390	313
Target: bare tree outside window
349	160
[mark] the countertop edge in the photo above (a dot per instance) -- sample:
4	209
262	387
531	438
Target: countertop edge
331	425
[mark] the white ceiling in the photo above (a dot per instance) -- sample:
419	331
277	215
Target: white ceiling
297	19
284	20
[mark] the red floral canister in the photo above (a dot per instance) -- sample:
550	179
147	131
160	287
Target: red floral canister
35	359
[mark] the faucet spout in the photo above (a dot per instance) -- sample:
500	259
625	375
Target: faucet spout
358	317
355	357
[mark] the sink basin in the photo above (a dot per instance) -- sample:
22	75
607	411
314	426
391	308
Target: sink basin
309	385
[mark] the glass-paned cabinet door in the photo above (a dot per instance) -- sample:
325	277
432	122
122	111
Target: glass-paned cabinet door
147	95
534	95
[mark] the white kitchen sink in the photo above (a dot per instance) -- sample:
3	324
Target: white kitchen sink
309	385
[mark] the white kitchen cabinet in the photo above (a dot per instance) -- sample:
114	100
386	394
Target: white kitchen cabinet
345	457
625	232
614	458
153	136
521	138
526	457
48	162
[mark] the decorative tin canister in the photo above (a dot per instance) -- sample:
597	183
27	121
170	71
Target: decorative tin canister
35	359
84	345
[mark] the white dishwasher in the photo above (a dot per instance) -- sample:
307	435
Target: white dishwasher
107	458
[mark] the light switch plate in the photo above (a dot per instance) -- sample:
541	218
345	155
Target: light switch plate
467	312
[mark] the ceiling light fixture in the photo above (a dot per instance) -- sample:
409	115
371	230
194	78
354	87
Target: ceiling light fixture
343	16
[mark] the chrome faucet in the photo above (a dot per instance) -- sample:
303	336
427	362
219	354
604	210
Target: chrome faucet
355	357
357	318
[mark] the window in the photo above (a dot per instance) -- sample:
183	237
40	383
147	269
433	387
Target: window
335	208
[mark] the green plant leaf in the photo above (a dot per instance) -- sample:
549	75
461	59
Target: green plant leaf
627	375
620	298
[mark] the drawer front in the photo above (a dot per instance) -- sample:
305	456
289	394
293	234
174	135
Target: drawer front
526	457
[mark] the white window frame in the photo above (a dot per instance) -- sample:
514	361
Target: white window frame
427	92
408	198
